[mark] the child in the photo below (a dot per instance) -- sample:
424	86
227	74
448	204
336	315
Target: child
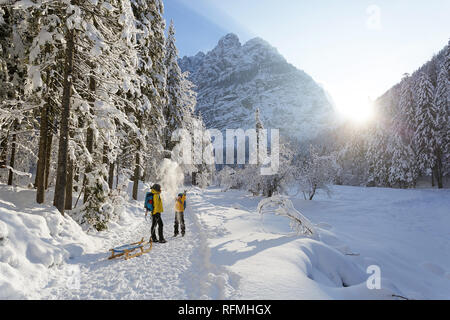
180	206
156	214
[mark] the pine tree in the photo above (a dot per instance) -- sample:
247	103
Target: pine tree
446	62
406	123
378	158
106	91
44	80
446	147
402	171
148	144
61	177
173	111
442	125
16	120
426	132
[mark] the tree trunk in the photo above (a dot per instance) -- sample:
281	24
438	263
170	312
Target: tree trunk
137	174
117	174
194	178
3	152
106	161
89	140
69	186
438	169
432	177
76	178
13	154
111	176
137	169
40	173
61	172
48	152
313	193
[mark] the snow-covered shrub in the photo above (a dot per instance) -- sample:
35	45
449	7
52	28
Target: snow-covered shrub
102	206
315	172
283	206
204	179
229	178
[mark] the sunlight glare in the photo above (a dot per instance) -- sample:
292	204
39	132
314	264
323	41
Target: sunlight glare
358	111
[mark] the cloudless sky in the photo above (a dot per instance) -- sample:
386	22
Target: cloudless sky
356	49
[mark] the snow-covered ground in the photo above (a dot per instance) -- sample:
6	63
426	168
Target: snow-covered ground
406	233
230	251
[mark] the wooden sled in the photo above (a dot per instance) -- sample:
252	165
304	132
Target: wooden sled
127	250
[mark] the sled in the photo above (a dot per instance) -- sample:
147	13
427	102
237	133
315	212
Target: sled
127	250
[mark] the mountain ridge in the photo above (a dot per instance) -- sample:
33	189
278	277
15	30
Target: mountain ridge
233	80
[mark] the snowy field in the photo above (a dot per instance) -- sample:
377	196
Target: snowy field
406	233
230	251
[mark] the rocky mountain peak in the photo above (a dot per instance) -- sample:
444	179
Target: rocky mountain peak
234	80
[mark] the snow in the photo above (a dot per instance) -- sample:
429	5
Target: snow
404	232
231	250
399	230
34	240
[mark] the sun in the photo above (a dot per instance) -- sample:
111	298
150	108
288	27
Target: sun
358	111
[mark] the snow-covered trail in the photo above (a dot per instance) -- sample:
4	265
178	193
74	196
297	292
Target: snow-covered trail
178	269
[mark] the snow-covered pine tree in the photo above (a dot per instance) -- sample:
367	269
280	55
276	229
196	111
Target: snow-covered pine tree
403	169
148	146
446	61
101	102
378	158
174	112
69	32
203	168
442	125
17	121
426	131
179	114
103	99
446	67
406	111
43	86
6	86
351	152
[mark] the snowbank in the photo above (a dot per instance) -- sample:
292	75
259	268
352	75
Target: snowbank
402	233
34	240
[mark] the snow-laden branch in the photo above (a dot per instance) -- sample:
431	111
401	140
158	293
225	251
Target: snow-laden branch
282	206
19	173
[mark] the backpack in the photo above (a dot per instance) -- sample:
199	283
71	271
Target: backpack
149	201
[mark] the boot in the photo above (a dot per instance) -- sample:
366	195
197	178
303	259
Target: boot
162	241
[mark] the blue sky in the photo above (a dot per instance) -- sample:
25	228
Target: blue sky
357	49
